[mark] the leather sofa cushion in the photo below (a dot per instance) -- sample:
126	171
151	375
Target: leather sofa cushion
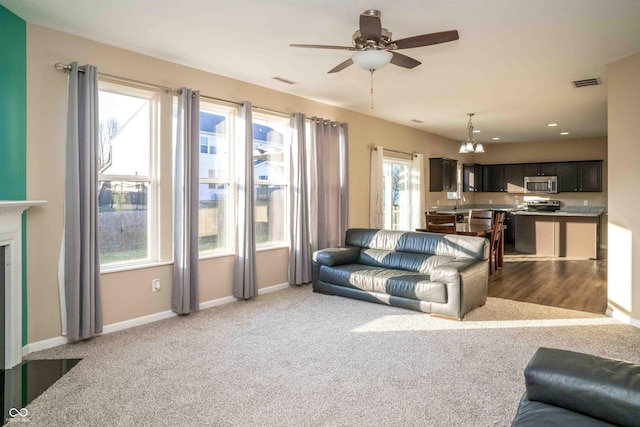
451	245
400	283
423	263
603	388
536	414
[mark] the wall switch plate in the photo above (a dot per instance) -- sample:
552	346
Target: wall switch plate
490	201
586	203
155	285
438	202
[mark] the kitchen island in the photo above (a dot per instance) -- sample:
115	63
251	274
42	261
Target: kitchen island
570	234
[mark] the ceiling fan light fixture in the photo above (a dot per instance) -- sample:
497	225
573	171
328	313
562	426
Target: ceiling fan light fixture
372	59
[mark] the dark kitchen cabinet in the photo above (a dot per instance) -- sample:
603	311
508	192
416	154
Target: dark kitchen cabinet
504	178
580	176
494	177
443	174
472	178
515	178
540	169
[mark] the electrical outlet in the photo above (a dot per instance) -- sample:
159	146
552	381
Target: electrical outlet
490	201
586	203
155	285
438	202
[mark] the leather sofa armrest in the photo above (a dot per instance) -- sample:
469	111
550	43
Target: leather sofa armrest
451	271
602	388
336	256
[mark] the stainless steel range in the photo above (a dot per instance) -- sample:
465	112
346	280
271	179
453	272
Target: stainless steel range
543	205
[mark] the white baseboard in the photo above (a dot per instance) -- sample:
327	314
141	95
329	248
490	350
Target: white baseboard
622	317
43	345
139	321
273	288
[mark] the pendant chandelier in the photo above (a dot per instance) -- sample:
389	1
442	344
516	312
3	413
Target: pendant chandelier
470	145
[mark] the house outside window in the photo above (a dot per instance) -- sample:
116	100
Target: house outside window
271	179
216	217
127	179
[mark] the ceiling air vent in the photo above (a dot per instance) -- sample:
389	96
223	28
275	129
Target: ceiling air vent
280	79
586	82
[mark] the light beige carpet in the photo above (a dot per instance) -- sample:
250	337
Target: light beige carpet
295	358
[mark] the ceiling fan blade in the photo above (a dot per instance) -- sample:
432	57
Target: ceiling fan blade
370	27
427	39
404	61
322	46
341	66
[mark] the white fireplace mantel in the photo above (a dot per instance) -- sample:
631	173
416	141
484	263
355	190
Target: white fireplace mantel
11	241
18	206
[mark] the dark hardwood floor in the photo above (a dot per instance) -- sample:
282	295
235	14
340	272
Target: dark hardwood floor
573	284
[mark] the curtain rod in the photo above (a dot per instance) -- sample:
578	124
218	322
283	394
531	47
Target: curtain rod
374	148
66	67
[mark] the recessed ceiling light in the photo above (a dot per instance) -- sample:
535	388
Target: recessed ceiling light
552	124
496	138
476	131
564	133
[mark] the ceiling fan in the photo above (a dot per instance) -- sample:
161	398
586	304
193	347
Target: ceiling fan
374	47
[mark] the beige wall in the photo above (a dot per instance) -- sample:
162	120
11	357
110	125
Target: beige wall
624	193
127	294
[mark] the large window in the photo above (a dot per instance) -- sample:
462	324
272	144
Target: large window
271	178
216	189
396	194
126	179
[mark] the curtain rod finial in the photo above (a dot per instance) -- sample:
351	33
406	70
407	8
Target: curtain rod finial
62	67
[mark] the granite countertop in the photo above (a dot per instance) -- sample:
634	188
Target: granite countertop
584	211
563	212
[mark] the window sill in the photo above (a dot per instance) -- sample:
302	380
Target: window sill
271	247
212	255
129	267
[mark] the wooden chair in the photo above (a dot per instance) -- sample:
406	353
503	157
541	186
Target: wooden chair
481	217
441	223
496	236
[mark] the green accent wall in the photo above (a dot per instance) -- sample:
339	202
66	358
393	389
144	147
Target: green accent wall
13	125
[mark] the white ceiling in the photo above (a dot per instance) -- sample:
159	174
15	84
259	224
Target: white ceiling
513	65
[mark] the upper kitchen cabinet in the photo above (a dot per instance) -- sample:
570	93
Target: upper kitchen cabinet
493	178
540	169
472	178
515	178
443	174
580	176
503	178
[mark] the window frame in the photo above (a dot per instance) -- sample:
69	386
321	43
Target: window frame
409	165
285	122
152	180
231	114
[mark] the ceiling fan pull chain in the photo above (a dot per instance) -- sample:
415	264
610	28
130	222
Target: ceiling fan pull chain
372	88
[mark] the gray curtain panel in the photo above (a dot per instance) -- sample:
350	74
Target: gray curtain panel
244	273
185	296
330	209
81	250
299	233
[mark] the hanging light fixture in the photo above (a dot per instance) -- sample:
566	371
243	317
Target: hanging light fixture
470	145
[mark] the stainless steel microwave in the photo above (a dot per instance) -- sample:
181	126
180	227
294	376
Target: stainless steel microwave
540	184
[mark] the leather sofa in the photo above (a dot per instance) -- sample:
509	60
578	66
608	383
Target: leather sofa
441	274
564	388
